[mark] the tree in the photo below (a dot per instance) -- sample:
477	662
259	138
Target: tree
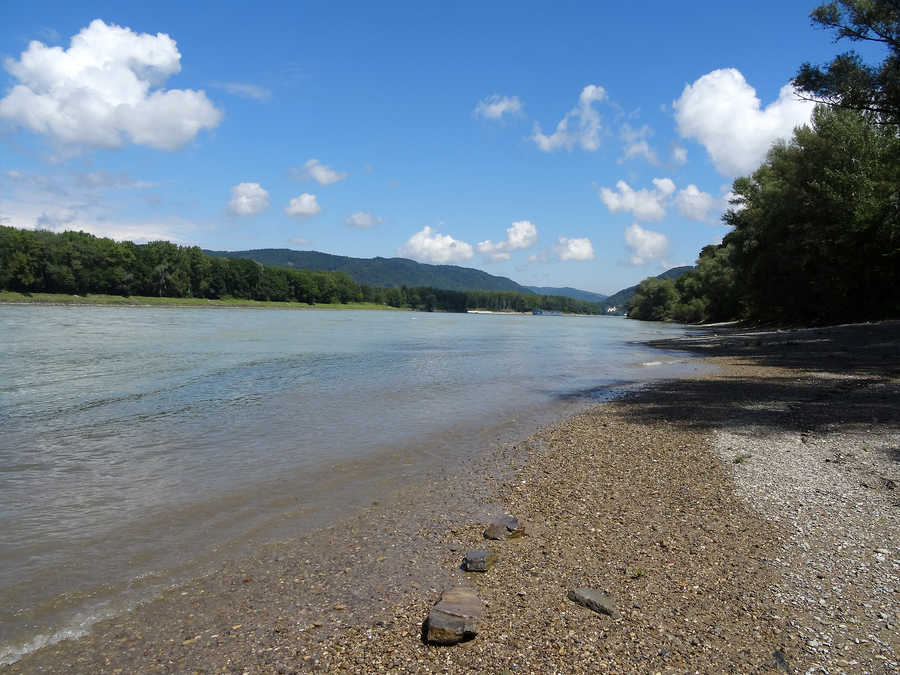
847	81
817	227
710	291
653	300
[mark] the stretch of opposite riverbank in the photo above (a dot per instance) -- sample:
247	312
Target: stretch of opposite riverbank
743	521
14	298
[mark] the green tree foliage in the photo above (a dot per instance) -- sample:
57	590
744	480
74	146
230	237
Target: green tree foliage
817	227
815	238
653	300
847	81
76	262
709	292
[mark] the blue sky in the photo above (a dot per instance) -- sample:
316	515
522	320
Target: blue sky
574	144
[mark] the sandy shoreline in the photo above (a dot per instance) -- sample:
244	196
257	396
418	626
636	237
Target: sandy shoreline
743	521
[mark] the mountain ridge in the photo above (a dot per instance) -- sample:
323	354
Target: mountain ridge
568	292
389	272
378	271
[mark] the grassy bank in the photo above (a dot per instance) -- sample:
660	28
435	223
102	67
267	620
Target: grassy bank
143	300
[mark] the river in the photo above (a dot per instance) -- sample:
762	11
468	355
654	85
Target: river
139	445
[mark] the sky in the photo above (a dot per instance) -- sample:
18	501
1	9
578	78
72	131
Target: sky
578	144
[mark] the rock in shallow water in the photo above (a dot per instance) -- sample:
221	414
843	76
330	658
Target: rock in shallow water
455	617
479	561
595	600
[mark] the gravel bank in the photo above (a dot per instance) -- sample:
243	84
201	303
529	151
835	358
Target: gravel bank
745	521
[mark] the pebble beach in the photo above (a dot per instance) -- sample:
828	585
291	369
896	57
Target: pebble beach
742	521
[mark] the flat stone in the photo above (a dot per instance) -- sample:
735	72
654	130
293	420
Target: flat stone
479	561
496	531
594	600
504	527
455	617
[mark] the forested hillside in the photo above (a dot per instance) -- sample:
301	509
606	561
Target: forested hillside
815	232
385	272
620	299
568	292
77	262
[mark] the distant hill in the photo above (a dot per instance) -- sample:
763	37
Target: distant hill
568	292
619	298
384	272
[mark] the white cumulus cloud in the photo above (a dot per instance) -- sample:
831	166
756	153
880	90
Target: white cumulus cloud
248	199
313	169
361	220
521	234
679	154
574	248
105	90
428	245
495	106
645	245
581	126
644	204
695	204
303	206
722	112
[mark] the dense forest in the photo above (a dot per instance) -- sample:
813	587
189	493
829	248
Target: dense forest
568	292
620	299
816	229
383	272
76	262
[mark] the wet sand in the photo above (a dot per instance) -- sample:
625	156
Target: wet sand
743	521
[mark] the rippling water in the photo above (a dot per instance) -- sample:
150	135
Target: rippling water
139	444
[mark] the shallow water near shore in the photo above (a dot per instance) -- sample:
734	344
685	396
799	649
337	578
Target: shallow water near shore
141	445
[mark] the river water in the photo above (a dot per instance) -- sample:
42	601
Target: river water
139	445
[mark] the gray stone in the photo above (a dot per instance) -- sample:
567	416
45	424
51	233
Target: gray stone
510	522
505	527
479	561
594	600
496	531
455	617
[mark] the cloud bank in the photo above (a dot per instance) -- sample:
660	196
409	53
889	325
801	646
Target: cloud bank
581	126
105	90
521	234
248	199
645	245
695	204
303	206
575	248
644	204
722	112
428	245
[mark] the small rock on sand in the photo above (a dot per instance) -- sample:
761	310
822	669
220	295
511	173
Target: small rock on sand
455	617
479	561
595	600
505	527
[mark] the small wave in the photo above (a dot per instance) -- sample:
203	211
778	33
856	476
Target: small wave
79	627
